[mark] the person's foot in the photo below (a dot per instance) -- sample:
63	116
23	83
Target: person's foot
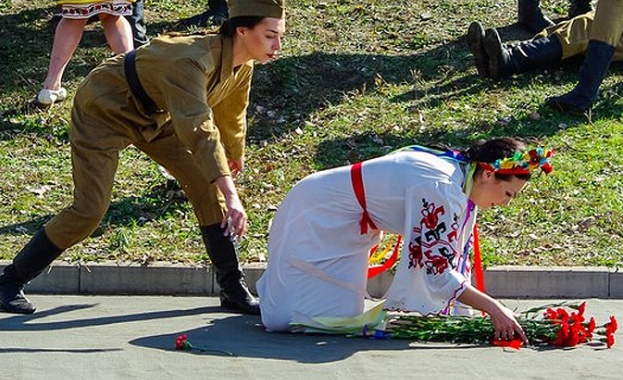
475	37
531	17
239	299
48	97
214	17
570	103
201	20
246	306
13	300
497	56
221	14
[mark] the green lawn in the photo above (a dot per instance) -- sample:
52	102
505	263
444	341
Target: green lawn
356	79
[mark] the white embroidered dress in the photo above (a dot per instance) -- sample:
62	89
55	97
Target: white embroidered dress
318	259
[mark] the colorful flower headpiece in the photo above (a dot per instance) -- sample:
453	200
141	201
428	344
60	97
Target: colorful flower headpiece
522	162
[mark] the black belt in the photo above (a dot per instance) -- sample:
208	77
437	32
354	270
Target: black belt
129	66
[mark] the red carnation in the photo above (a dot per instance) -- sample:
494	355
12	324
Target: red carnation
611	328
182	343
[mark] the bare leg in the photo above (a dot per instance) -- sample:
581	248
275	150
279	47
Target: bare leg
118	33
66	39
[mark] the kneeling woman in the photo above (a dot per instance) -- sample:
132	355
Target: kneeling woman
319	240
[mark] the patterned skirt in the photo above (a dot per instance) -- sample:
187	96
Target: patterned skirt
81	9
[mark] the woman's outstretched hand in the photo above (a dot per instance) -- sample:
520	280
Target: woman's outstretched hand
505	325
235	219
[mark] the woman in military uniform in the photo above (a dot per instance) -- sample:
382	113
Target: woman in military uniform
181	100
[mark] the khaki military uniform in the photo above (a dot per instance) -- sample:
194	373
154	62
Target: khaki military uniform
605	24
202	122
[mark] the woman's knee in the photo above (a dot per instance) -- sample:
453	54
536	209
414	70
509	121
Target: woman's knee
71	226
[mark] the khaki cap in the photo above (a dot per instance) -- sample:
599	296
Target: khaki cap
261	8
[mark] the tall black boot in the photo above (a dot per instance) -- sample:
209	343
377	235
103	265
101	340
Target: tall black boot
528	55
531	17
28	264
475	42
579	7
592	73
234	291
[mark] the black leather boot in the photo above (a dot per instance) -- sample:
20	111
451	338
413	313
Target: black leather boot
531	17
217	13
28	264
235	294
526	56
475	38
592	73
579	7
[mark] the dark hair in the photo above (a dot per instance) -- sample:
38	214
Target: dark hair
494	149
228	28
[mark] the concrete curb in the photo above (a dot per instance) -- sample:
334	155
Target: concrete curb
172	279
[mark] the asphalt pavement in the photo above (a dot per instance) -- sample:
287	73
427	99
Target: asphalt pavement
133	337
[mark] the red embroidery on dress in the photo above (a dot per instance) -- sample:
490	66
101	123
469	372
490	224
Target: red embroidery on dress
431	246
435	264
431	214
415	251
454	233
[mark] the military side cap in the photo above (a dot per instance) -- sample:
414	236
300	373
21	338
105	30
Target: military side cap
261	8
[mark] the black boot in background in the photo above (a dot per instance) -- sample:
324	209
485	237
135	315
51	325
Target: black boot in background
217	13
28	264
528	55
234	292
529	15
137	23
579	7
592	72
475	39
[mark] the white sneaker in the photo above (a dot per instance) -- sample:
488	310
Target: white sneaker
49	97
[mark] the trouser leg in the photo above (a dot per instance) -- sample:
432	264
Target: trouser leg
94	156
209	206
601	39
137	22
167	150
608	22
526	56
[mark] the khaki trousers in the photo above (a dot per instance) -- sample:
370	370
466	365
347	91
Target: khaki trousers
605	25
99	131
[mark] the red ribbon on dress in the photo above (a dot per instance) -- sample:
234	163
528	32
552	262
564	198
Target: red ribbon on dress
366	221
360	194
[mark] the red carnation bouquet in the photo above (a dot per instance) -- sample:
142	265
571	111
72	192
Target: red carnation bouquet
563	325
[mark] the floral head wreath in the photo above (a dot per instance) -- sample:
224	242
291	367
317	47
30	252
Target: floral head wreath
522	162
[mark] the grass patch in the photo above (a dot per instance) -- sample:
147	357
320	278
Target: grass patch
356	79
